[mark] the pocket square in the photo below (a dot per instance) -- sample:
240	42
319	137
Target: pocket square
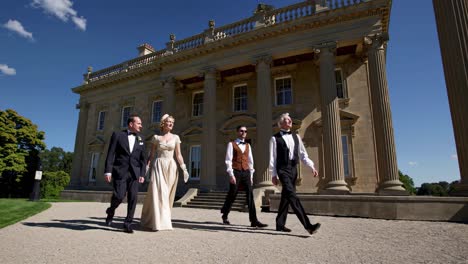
141	143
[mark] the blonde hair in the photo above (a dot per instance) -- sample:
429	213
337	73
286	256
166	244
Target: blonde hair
164	118
281	119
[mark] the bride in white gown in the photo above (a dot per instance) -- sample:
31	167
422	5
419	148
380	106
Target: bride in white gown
156	213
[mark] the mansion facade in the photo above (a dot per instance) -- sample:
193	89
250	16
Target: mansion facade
321	61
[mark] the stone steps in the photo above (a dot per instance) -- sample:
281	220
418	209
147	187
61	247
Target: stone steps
215	200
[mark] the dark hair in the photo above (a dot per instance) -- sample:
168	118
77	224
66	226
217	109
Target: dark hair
131	118
239	127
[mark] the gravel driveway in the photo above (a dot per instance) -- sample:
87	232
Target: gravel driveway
75	233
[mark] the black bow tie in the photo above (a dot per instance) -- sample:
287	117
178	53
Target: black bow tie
132	133
286	132
241	142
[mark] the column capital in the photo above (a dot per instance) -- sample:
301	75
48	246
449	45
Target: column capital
265	58
167	80
207	70
376	41
325	47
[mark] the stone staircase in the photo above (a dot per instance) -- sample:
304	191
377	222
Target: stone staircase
215	200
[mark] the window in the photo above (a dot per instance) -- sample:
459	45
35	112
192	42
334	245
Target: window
125	114
101	119
240	98
93	166
157	112
346	156
340	85
195	162
283	91
197	109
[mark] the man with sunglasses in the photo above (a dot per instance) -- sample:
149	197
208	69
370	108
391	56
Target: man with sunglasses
240	168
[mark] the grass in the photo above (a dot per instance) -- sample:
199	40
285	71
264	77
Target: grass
15	210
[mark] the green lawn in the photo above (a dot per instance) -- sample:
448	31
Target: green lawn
15	210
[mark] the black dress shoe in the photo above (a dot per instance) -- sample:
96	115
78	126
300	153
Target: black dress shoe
128	229
258	224
283	229
110	216
313	228
225	220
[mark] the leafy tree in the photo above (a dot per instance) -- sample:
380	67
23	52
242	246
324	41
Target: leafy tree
56	159
407	182
442	188
20	144
53	182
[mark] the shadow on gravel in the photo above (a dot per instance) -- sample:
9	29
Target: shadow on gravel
78	225
215	227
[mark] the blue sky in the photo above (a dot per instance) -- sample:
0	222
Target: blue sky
46	46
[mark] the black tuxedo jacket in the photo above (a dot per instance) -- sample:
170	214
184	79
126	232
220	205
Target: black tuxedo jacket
120	161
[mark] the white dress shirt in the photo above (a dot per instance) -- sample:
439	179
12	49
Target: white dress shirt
230	154
288	138
131	141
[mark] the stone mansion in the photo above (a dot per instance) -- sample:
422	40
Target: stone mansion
321	61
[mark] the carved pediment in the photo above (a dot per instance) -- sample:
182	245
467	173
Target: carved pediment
231	124
192	131
347	119
97	141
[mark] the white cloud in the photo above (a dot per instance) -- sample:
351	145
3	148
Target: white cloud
4	69
454	156
15	26
62	9
413	163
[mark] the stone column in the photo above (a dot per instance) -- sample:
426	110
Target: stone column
452	26
264	122
208	169
389	183
78	176
333	149
169	96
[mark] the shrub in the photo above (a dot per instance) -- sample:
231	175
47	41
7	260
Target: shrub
53	183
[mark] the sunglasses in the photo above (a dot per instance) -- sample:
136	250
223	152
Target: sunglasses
243	131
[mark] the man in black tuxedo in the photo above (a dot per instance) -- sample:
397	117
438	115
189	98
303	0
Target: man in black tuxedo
126	166
286	149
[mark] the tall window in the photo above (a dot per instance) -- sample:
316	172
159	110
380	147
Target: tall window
157	111
197	106
195	162
346	156
340	85
93	166
125	114
240	98
283	91
101	120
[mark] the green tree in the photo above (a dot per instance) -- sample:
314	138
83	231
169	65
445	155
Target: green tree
435	189
407	182
56	159
20	144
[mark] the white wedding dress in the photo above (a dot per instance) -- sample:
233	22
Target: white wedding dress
156	213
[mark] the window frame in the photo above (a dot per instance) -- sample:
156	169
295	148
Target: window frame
276	90
240	98
123	121
192	177
193	104
95	156
160	111
343	84
101	120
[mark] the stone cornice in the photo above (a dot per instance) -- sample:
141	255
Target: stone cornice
379	8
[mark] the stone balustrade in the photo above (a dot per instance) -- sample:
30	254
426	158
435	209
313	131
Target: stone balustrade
262	18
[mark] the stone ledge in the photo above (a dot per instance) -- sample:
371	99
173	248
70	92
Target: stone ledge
94	196
452	209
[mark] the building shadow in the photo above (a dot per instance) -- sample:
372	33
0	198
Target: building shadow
219	227
77	225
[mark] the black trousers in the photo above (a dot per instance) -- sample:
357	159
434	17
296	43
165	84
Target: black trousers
287	177
242	178
121	187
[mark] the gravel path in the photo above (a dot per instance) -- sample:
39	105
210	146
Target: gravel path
75	233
